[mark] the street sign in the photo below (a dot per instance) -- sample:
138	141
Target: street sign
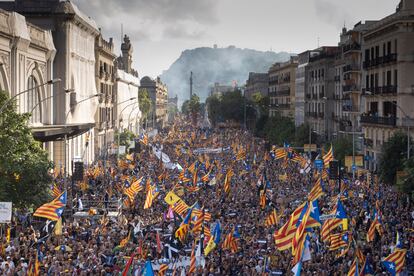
309	147
5	212
319	164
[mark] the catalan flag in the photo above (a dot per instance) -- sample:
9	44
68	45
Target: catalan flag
328	157
331	224
375	226
192	260
180	207
192	168
206	178
151	194
395	262
353	271
299	236
181	232
227	181
53	210
262	199
317	190
162	270
144	139
283	237
231	240
280	153
132	190
55	190
338	241
272	219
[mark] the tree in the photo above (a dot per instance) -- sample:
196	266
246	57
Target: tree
406	184
185	108
125	137
24	166
194	107
213	105
279	130
393	157
342	147
145	103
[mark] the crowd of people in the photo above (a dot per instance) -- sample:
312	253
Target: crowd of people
103	227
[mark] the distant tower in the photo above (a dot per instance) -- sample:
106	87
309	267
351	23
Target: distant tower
191	84
127	50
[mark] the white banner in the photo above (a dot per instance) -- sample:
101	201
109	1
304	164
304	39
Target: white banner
5	212
210	150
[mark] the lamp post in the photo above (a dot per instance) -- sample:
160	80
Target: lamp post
26	91
47	98
119	124
66	118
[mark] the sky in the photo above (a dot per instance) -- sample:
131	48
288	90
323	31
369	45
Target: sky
161	29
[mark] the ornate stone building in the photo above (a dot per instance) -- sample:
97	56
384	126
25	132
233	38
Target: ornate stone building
74	36
159	95
26	57
105	84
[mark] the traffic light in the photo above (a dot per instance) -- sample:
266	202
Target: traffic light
78	172
334	170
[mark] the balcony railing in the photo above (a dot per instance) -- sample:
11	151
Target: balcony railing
380	61
380	90
283	106
308	96
283	92
337	78
351	88
375	120
351	67
349	108
351	47
321	114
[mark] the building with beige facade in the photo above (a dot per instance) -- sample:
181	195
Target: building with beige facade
105	84
257	83
282	77
158	93
27	53
74	36
388	66
320	91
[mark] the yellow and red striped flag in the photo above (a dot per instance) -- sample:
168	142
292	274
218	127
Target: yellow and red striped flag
192	260
328	157
149	198
52	210
162	270
375	226
132	190
353	271
272	219
316	191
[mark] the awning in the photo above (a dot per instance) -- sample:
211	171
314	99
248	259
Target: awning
48	133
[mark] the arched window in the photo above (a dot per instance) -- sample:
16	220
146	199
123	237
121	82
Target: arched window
33	100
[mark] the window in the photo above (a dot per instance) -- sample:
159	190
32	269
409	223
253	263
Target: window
389	48
395	46
396	77
383	50
376	51
33	100
367	55
388	78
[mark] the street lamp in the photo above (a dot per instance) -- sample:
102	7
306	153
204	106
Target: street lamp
66	118
50	82
408	124
47	98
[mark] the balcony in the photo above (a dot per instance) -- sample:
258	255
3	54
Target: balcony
351	68
283	106
349	108
272	94
380	61
308	96
337	78
350	88
321	114
375	120
285	92
381	90
351	47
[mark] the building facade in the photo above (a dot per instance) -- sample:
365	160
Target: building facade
320	91
257	83
74	36
127	112
27	53
300	87
388	66
158	93
282	78
220	89
105	83
172	108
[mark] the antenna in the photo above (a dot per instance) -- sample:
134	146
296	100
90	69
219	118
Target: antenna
191	84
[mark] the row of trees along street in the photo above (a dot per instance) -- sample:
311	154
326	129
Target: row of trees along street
234	107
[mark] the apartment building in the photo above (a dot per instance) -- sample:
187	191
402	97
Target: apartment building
282	77
388	66
320	91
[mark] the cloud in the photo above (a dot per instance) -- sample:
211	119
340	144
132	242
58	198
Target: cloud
179	31
331	13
